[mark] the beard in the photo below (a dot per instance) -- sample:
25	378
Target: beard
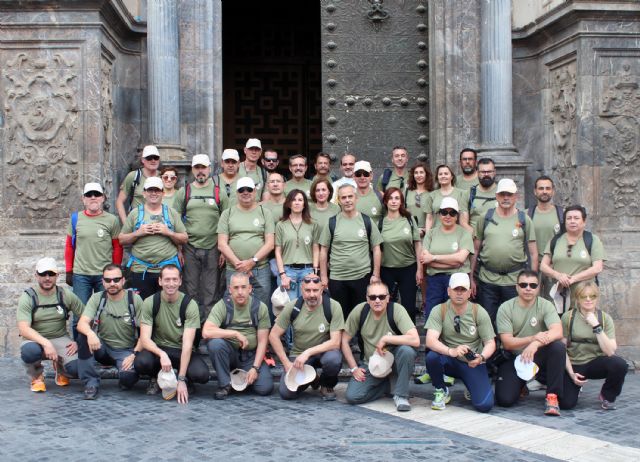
486	181
544	198
468	170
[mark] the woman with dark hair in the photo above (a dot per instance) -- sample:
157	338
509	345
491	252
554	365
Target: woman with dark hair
169	177
297	250
400	269
419	187
445	187
321	208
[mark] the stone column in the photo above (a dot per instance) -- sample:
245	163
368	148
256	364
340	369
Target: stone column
164	78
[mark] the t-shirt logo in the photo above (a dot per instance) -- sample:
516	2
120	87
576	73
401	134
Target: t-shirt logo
60	309
100	232
389	333
472	330
126	319
406	230
361	232
454	246
211	201
533	322
256	222
514	233
556	228
583	254
307	240
374	210
321	328
179	322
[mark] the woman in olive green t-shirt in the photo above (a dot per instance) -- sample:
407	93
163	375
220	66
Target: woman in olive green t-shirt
321	208
445	187
169	181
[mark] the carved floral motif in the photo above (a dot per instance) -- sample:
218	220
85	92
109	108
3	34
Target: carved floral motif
106	105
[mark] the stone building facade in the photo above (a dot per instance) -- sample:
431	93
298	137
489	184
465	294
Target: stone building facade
544	86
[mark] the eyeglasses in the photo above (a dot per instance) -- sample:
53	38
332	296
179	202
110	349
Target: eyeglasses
245	189
311	279
153	190
569	249
152	158
169	177
361	173
589	297
450	212
93	194
373	297
230	161
50	274
110	280
486	172
271	159
456	324
524	285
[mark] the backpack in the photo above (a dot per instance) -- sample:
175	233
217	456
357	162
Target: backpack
74	225
588	243
183	307
532	210
165	217
488	218
386	177
132	312
134	185
187	197
254	311
473	191
367	227
363	317
326	308
35	305
601	321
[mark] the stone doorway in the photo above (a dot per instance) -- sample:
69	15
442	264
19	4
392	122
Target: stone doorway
271	76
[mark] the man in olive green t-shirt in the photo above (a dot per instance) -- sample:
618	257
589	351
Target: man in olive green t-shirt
482	196
150	158
381	327
369	199
241	341
316	339
167	333
469	177
398	176
298	168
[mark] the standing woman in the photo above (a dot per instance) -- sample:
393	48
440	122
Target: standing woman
400	266
321	208
445	187
420	185
591	348
297	252
169	180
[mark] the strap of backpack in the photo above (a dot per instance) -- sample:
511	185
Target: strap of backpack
74	225
472	195
326	307
332	230
363	317
134	185
34	298
132	313
367	227
296	310
187	196
156	306
228	304
255	309
59	294
386	177
166	217
531	211
391	321
140	218
560	214
183	308
216	190
99	310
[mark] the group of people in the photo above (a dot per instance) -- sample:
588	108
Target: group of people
352	254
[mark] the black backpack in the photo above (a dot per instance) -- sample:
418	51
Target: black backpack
134	185
363	317
559	212
183	307
132	312
326	308
588	243
35	305
254	310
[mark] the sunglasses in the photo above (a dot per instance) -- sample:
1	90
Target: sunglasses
450	212
50	274
269	159
569	249
524	285
310	279
456	324
169	177
589	297
110	280
152	158
93	194
373	297
153	190
245	189
360	174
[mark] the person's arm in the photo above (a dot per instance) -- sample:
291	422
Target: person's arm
188	335
210	330
120	200
29	333
149	345
377	259
589	273
428	222
333	343
578	379
447	261
477	245
547	270
533	252
84	327
464	221
316	256
324	265
411	338
261	349
284	279
607	345
417	246
358	373
276	345
488	348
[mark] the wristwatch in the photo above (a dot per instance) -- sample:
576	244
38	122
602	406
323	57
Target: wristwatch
255	260
484	360
597	329
256	368
182	378
353	369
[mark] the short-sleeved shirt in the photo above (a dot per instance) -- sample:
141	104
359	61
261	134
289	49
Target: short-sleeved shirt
275	209
152	248
169	200
321	217
202	215
435	199
259	177
94	246
473	333
241	321
296	241
513	318
246	230
167	329
49	322
115	328
415	203
304	185
311	327
503	247
439	242
483	201
227	192
395	180
349	257
466	185
138	197
547	226
374	329
370	204
583	345
579	260
399	236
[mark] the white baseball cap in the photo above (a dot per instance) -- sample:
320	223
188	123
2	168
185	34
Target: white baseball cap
380	366
296	377
200	159
150	151
362	165
253	143
245	182
449	203
459	280
168	383
230	154
153	182
239	379
47	264
507	185
93	187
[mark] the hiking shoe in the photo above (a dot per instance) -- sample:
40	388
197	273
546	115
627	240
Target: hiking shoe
37	384
90	392
402	404
449	381
153	388
467	394
606	405
422	379
268	358
551	405
61	380
440	399
222	392
328	394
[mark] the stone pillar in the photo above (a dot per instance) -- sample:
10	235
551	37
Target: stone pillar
164	78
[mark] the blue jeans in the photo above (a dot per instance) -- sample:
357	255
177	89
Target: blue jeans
260	280
225	357
476	379
296	275
436	291
84	285
107	356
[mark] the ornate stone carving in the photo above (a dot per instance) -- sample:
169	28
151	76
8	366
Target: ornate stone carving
563	126
42	124
106	108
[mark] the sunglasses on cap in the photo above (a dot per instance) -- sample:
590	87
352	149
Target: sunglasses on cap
456	323
311	279
373	297
362	173
450	212
93	194
152	158
169	177
50	274
245	189
524	285
109	280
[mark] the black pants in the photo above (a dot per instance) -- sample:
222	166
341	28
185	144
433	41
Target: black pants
349	293
147	363
146	284
613	369
405	278
551	361
491	296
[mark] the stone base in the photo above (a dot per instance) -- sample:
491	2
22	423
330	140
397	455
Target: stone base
169	152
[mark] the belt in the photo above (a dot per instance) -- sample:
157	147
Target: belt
300	265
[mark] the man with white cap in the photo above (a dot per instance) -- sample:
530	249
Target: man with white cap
383	327
42	322
250	168
238	327
92	242
529	326
298	169
131	189
199	205
460	338
228	176
246	237
154	231
369	199
504	239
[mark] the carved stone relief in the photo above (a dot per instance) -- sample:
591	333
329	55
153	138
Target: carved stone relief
40	145
563	126
106	108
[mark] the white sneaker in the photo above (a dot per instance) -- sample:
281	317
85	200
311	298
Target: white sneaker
402	404
440	399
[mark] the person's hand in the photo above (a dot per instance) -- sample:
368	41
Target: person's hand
359	374
474	288
591	319
578	379
221	261
301	360
245	266
287	365
563	279
161	228
165	362
529	352
542	337
426	257
325	281
94	342
50	351
373	279
458	351
182	392
127	363
68	278
252	376
71	348
145	229
285	281
475	362
419	276
380	345
242	340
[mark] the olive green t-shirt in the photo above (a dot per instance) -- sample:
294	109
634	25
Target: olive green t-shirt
546	225
415	204
321	217
310	328
583	345
296	241
473	333
94	246
275	209
241	321
169	200
202	215
483	201
434	199
304	185
439	242
370	204
259	177
168	329
513	318
50	322
395	180
399	238
349	257
138	197
374	329
579	260
153	248
465	185
246	230
227	192
503	247
115	328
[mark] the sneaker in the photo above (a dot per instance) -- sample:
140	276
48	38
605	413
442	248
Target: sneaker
534	385
606	405
440	399
222	392
551	405
449	381
37	384
269	359
153	388
402	404
467	394
422	379
328	394
90	392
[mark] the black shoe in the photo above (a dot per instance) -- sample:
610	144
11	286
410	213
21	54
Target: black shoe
90	392
222	392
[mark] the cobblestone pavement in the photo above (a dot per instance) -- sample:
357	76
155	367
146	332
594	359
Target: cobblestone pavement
59	425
